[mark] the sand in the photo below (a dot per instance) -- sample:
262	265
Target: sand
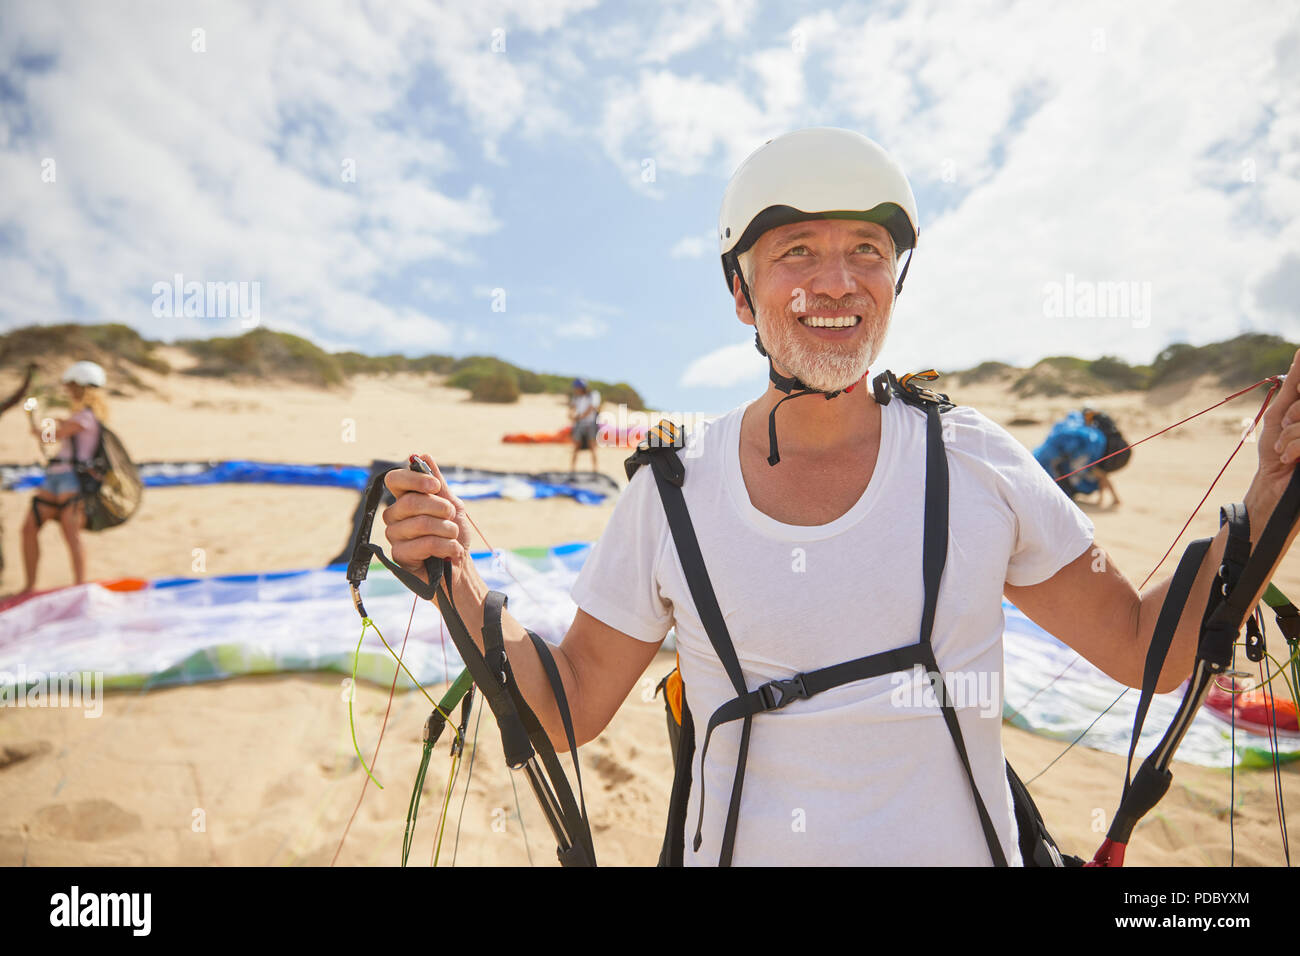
261	771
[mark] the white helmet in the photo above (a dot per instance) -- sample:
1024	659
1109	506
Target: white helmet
816	173
85	373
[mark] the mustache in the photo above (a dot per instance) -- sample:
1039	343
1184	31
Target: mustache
857	305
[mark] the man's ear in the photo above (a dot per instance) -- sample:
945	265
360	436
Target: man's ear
742	305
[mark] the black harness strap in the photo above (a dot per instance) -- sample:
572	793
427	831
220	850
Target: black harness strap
669	475
1180	589
670	480
1242	574
522	736
778	693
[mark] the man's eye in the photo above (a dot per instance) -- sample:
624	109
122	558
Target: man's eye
796	249
868	245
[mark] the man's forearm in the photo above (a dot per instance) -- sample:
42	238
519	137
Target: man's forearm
1182	651
470	593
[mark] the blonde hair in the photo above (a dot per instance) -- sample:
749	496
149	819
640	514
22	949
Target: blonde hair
92	398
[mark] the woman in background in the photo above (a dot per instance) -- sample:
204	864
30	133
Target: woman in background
60	495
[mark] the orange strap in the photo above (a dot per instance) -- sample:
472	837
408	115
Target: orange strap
673	692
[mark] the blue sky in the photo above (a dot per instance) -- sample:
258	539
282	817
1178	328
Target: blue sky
574	154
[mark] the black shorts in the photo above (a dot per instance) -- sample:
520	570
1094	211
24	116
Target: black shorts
584	435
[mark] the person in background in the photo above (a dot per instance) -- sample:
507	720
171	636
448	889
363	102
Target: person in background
584	406
1101	473
60	495
1072	443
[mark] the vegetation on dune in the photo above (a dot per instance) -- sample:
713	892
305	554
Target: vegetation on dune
355	363
264	354
278	356
271	356
985	372
1065	375
500	386
1236	362
1233	364
120	349
469	372
1119	374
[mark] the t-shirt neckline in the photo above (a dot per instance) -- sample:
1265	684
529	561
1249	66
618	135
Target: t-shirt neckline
766	525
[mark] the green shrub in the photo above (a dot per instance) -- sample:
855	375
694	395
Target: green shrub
500	387
1119	374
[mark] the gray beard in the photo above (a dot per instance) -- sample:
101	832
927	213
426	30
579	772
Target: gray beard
827	368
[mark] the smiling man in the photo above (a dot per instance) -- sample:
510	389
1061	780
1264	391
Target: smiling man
819	585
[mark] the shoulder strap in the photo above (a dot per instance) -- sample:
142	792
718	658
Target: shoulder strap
660	451
934	558
909	389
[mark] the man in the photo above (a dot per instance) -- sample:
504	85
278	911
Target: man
584	406
814	549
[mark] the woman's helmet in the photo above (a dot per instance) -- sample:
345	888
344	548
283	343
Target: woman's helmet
88	374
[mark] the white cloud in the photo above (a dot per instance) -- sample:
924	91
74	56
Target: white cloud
695	247
725	367
682	123
684	25
1099	144
317	178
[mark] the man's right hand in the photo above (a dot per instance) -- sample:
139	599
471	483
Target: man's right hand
426	521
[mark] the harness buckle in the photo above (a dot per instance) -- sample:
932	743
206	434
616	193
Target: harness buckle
790	689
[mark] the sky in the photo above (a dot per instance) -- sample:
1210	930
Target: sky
540	179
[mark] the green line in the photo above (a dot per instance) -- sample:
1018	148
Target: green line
458	689
1274	598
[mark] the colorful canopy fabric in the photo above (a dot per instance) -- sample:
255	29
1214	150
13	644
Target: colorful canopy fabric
1052	691
151	634
470	484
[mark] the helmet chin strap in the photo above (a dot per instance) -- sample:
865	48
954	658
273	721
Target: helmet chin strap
793	388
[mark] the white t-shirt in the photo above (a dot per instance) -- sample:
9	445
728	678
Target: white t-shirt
865	773
587	405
